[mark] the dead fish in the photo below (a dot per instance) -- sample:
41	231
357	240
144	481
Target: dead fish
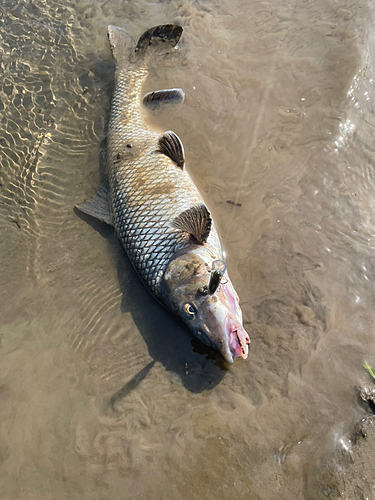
156	209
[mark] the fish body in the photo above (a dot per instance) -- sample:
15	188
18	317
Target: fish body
156	209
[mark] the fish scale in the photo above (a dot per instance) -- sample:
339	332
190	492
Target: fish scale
148	190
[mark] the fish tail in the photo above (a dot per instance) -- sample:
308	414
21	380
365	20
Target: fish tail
121	43
159	39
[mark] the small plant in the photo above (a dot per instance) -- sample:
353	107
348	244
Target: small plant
369	368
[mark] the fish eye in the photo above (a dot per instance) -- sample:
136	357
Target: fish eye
189	310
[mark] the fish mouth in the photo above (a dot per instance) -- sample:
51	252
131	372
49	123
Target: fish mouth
238	340
235	345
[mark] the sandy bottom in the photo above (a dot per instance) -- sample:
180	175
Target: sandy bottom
103	394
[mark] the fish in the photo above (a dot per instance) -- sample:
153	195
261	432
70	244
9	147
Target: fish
155	208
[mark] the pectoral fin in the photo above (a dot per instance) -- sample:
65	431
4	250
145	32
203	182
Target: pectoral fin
170	145
196	221
98	206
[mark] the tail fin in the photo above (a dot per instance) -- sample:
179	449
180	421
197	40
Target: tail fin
153	41
121	43
158	39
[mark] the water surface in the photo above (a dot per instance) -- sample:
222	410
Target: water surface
103	393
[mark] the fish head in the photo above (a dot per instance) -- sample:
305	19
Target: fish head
215	319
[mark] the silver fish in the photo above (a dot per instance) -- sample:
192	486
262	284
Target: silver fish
156	209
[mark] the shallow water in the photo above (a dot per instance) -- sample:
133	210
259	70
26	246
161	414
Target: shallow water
103	394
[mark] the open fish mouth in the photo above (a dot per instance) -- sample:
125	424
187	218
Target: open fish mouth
238	341
235	344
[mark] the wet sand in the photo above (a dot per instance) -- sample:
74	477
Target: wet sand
103	393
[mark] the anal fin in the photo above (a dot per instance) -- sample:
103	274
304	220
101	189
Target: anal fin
98	206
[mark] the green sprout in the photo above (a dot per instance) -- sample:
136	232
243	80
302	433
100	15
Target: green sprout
369	368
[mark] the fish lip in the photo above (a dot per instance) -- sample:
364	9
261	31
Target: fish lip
228	356
235	343
238	339
202	334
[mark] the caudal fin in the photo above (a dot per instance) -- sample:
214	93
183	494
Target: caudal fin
121	43
153	41
158	39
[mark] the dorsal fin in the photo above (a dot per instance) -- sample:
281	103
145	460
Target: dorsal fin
196	220
170	145
154	100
